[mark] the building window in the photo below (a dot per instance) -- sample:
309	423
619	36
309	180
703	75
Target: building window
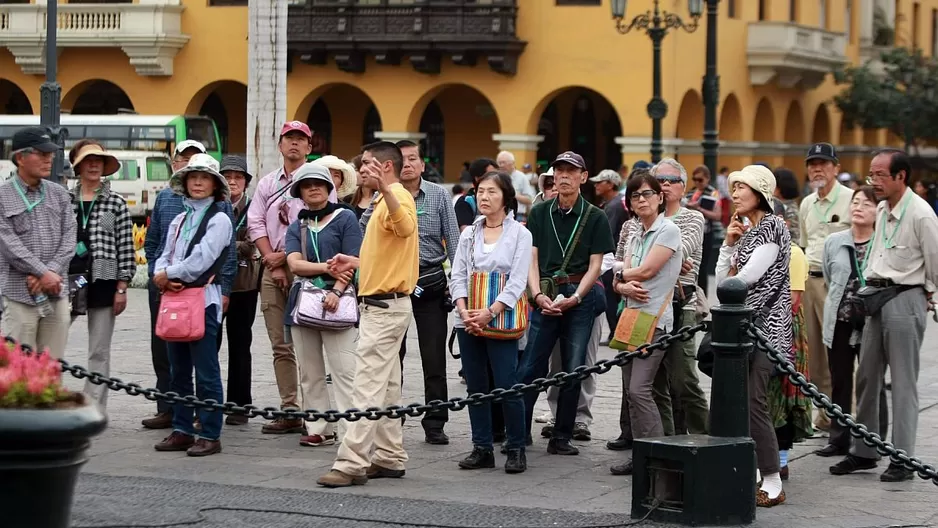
579	2
916	8
731	8
848	24
793	10
934	32
763	9
822	16
223	3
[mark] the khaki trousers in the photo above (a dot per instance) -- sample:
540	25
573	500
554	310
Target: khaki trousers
100	331
377	384
319	352
22	322
815	292
273	305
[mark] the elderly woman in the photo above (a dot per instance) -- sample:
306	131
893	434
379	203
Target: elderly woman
197	245
344	178
757	249
104	255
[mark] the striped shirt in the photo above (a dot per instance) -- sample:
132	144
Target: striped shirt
691	224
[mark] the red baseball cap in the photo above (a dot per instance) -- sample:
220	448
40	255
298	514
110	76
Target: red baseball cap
296	126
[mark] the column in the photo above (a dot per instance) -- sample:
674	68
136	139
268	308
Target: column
523	146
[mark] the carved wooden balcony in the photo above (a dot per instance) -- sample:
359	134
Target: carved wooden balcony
421	31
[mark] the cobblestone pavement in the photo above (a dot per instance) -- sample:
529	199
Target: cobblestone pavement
127	483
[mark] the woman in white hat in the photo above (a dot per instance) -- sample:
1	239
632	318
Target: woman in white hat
343	175
329	229
197	245
757	249
104	261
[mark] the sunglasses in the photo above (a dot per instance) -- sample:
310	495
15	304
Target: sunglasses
647	194
669	179
699	180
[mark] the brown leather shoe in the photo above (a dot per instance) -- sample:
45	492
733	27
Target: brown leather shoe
176	441
204	447
763	500
336	479
376	472
163	420
284	426
236	419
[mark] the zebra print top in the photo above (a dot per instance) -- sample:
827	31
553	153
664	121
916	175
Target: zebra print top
770	296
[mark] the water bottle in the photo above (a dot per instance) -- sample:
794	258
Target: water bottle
43	305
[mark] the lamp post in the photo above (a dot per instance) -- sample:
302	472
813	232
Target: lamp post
656	24
50	93
711	92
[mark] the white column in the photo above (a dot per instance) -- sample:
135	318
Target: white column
394	137
267	83
517	142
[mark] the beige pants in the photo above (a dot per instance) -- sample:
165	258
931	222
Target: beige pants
318	352
377	384
100	331
273	304
22	322
815	292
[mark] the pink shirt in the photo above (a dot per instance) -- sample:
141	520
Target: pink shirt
264	219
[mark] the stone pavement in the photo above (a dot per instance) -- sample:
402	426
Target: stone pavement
127	483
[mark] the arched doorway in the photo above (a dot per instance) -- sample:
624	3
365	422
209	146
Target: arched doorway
97	97
342	118
795	137
822	125
763	133
731	130
581	120
690	129
473	121
13	99
226	102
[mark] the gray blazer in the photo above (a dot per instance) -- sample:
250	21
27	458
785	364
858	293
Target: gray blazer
837	266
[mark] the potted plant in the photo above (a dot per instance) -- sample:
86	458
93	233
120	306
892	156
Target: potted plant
44	435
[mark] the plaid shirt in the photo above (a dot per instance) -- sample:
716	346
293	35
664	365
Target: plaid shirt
436	224
34	242
168	206
110	232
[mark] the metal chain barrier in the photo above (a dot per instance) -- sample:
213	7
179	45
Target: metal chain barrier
395	411
857	430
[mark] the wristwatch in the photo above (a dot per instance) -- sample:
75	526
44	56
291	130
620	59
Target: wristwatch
121	292
578	298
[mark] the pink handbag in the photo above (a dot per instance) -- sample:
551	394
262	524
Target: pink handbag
182	315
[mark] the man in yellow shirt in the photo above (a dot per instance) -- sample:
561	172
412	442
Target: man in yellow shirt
388	274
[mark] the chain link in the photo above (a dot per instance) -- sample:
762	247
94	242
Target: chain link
857	430
395	411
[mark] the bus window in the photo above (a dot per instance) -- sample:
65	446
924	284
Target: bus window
128	171
202	130
158	169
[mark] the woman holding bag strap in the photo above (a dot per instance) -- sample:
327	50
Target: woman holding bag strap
329	230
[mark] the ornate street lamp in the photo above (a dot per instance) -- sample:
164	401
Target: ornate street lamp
656	24
50	93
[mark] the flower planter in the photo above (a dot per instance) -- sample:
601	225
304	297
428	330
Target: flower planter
41	454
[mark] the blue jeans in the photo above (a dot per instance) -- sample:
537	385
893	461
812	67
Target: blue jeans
203	355
477	353
573	329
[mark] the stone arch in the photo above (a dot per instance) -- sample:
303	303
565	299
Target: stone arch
226	102
583	120
822	125
847	134
340	116
689	127
763	125
794	124
473	121
97	97
731	119
13	100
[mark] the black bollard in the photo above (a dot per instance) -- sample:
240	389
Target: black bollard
698	479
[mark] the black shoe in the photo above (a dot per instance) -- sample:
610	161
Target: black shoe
480	458
622	469
852	463
561	447
831	450
619	444
437	437
581	432
517	461
896	473
528	442
547	431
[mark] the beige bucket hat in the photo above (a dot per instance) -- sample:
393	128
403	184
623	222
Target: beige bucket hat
760	179
111	163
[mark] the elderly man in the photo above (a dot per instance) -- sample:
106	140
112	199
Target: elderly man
37	242
524	193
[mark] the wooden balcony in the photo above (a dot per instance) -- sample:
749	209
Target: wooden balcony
421	31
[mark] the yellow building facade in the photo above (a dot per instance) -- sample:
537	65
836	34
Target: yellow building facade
578	85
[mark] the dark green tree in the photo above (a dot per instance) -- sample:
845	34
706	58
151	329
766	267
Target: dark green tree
897	93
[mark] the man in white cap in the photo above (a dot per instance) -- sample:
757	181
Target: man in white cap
167	207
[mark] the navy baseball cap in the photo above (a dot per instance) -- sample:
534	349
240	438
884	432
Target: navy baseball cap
821	151
572	158
37	138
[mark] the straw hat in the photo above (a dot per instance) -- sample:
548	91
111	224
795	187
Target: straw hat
349	179
199	163
111	164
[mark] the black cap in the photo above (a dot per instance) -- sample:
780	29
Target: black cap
822	151
37	138
572	158
231	162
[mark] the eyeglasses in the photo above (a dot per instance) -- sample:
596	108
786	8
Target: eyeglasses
647	194
699	180
669	179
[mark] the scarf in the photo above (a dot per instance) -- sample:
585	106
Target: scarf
318	214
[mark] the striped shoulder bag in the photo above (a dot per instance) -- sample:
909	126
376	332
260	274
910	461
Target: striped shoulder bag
484	288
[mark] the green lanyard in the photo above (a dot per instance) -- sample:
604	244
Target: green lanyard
564	248
861	266
30	205
887	241
243	217
85	217
817	210
314	236
187	229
